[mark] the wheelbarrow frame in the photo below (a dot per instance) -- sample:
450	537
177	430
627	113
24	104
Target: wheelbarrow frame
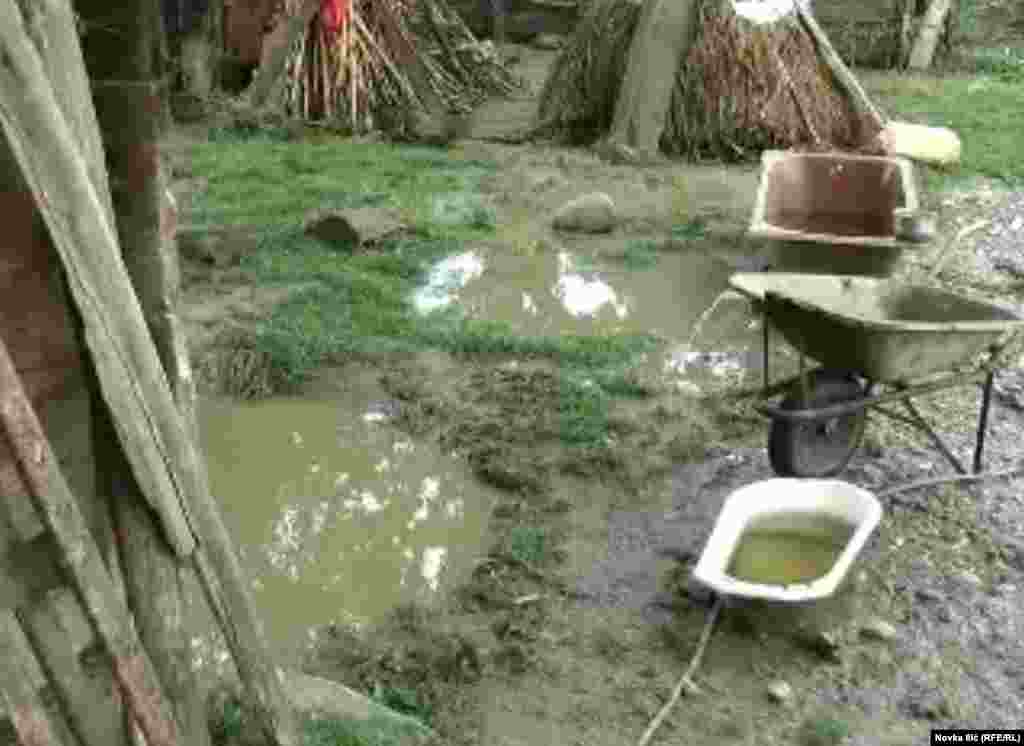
983	376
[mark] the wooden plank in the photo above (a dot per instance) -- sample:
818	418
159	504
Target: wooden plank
151	430
132	380
29	570
81	559
20	682
18	512
59	632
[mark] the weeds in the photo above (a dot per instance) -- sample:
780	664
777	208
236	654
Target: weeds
824	731
332	732
529	544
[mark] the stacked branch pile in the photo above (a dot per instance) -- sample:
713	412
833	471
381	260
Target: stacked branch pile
741	88
368	65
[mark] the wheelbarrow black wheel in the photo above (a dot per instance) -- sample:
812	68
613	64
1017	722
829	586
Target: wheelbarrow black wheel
821	448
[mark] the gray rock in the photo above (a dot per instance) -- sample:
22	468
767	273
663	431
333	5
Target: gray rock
590	213
928	595
350	229
879	629
780	692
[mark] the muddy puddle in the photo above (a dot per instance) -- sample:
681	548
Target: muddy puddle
336	515
679	297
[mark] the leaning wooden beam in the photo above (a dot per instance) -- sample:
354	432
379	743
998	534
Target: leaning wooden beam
52	27
59	632
66	198
840	71
149	426
80	558
121	56
20	681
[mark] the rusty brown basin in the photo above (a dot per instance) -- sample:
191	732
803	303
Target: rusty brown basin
833	212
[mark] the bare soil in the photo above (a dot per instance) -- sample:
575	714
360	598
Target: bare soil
585	646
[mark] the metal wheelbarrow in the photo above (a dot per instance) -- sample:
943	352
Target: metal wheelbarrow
877	342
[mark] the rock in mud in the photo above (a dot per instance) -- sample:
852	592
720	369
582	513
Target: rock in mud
879	629
926	704
590	213
219	247
927	595
549	42
544	181
780	692
349	230
825	645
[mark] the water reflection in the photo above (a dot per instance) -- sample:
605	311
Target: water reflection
445	280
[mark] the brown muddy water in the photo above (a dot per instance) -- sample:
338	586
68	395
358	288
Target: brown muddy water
337	516
678	296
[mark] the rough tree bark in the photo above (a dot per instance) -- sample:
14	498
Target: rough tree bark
923	52
274	60
129	107
664	33
130	115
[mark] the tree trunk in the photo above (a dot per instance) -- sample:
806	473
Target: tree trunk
201	51
923	53
276	59
664	33
130	113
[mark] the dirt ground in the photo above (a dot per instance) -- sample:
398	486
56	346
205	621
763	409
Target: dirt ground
585	646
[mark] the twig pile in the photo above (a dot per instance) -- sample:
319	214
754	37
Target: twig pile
390	57
741	89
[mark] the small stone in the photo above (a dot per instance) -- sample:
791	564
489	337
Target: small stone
944	614
928	595
549	42
968	578
545	181
590	213
780	692
350	229
879	629
823	644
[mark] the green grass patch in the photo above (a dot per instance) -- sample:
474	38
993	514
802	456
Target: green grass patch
638	254
529	544
824	731
265	180
362	303
374	732
983	110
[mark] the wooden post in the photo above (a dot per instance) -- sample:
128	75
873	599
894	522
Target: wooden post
129	109
149	426
923	53
664	33
275	60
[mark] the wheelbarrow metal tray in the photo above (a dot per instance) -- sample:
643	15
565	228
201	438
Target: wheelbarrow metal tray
833	212
883	329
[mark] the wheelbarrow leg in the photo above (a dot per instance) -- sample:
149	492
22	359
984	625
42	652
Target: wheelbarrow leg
765	354
986	400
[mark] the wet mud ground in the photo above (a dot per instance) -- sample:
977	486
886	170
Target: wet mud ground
582	642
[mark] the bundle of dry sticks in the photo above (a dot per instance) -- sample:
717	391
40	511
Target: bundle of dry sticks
360	61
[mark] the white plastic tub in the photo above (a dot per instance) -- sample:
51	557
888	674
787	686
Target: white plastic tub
751	505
